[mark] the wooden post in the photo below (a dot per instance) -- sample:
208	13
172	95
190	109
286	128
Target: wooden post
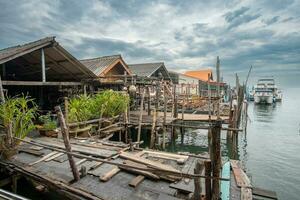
148	101
140	119
126	125
152	140
165	117
43	65
216	161
84	89
66	102
65	133
207	165
218	86
198	169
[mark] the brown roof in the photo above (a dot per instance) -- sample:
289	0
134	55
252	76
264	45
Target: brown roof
99	65
10	53
59	62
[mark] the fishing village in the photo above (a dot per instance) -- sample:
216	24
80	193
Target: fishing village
100	128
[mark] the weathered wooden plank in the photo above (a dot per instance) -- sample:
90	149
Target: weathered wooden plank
264	193
77	148
31	151
54	156
43	158
136	181
246	193
110	174
147	162
186	185
239	175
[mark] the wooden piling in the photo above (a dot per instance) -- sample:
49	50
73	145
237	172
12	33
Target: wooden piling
216	160
165	117
153	135
207	165
140	119
198	170
148	101
65	134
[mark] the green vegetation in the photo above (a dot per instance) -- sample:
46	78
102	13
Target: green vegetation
48	123
20	113
105	104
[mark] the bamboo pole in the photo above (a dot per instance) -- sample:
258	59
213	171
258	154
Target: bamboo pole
140	119
65	134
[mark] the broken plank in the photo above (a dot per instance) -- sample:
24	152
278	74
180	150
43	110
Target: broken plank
140	172
170	155
264	193
136	181
31	151
150	163
43	158
54	156
110	174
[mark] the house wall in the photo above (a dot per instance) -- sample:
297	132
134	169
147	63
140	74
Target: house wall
187	85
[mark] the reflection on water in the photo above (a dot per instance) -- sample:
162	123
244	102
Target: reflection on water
270	150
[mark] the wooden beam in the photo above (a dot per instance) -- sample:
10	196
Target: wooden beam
38	83
136	181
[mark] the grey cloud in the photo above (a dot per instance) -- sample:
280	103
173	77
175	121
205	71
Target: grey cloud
239	16
271	20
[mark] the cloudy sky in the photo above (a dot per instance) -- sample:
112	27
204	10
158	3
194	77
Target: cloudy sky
186	35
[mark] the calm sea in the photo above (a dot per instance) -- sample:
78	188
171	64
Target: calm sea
270	150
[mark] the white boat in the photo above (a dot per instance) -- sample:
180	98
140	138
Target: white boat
266	92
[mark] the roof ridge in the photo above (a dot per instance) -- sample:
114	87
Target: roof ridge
29	43
101	57
146	63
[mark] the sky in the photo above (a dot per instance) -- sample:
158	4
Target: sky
186	35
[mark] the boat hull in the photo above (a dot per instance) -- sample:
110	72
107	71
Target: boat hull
263	99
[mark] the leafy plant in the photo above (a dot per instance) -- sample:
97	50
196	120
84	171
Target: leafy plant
109	103
80	108
105	104
19	112
48	123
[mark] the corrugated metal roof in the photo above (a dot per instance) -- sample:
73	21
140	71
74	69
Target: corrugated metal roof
61	64
98	65
145	69
19	50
